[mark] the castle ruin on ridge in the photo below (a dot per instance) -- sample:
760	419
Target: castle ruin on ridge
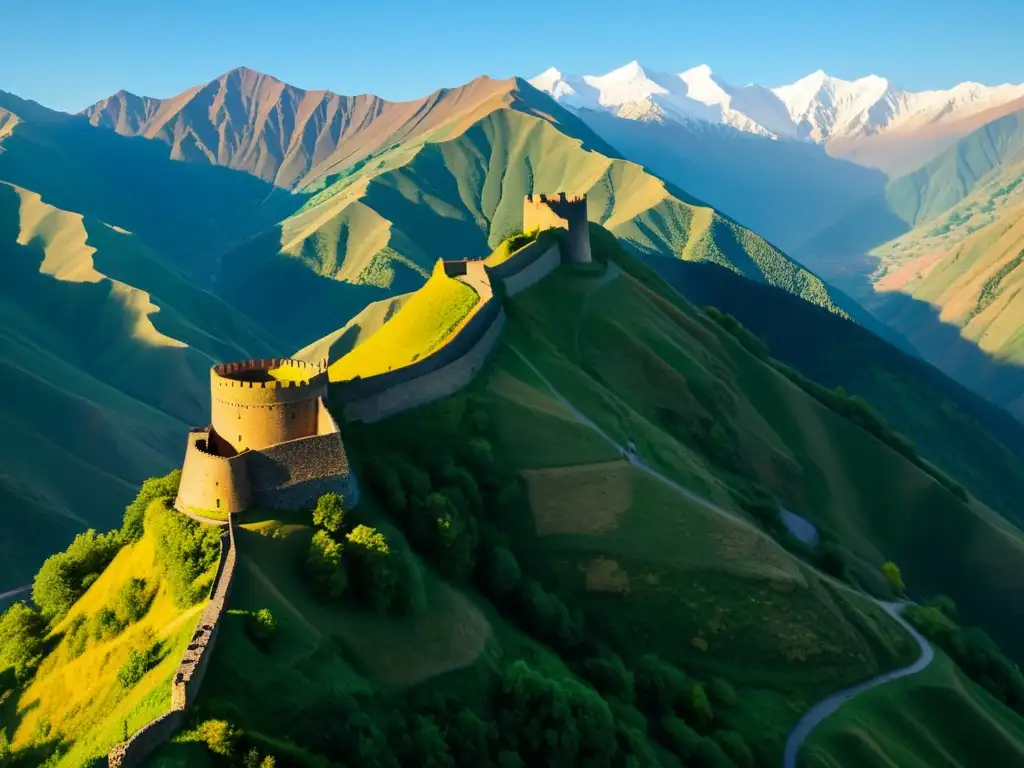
270	442
569	213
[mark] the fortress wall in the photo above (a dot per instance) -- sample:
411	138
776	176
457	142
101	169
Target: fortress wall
540	266
209	482
194	662
474	329
294	475
432	386
561	212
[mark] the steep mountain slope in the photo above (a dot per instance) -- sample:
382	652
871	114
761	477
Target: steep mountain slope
942	274
375	229
105	347
282	134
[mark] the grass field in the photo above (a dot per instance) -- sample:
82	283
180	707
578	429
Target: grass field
934	718
75	705
423	324
512	245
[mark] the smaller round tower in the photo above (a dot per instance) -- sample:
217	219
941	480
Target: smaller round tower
259	403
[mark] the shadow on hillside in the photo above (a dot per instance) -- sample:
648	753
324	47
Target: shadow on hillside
960	431
937	341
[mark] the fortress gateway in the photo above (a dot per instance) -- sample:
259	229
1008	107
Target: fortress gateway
271	441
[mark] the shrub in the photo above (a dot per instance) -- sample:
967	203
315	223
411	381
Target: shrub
892	574
324	566
152	489
383	478
373	566
186	550
22	639
722	692
691	747
455	534
66	575
252	759
470	738
77	636
735	746
499	572
329	513
609	676
133	600
105	625
660	687
261	626
428	746
547	617
696	707
139	664
219	736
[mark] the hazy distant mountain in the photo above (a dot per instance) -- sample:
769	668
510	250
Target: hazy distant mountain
846	116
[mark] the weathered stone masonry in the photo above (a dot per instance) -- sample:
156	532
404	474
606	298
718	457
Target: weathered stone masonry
194	662
270	442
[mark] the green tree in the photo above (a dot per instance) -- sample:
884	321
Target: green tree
138	664
499	572
892	574
152	489
324	565
735	746
22	635
65	576
186	550
133	600
220	737
329	513
261	627
374	567
429	748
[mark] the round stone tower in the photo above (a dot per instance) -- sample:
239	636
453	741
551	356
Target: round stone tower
260	403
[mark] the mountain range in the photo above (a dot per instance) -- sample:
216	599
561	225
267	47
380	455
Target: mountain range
841	114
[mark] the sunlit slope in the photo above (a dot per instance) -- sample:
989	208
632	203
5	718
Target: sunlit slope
74	702
936	717
708	413
187	213
423	324
108	351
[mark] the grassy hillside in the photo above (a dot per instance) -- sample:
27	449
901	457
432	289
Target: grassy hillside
79	702
422	325
937	717
952	426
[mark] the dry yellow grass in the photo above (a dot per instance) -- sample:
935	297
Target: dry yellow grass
423	324
582	499
79	699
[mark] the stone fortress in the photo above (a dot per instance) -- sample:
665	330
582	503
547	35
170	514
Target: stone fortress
270	442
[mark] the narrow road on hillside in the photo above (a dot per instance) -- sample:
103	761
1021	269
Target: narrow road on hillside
814	717
13	592
816	714
635	460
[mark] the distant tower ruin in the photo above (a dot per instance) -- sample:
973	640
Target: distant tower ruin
569	213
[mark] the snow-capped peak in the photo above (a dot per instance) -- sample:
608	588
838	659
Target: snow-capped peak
817	107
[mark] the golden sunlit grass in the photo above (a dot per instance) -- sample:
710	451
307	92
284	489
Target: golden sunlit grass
422	325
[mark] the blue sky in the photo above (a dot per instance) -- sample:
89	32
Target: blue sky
67	54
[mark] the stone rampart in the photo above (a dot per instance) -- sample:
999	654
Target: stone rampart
188	678
431	386
543	260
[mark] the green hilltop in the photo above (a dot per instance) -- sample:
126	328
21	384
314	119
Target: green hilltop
512	590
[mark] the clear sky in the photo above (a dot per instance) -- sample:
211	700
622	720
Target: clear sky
67	54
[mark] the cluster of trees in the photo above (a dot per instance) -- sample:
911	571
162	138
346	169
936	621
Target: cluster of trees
261	627
378	571
186	549
22	643
971	648
65	576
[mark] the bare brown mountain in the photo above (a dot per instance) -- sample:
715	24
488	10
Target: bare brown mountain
286	135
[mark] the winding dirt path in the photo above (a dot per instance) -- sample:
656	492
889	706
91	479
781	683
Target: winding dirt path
817	713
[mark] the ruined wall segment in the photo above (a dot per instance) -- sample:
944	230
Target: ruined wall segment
562	212
528	266
252	409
